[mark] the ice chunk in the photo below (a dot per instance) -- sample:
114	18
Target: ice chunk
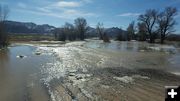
125	79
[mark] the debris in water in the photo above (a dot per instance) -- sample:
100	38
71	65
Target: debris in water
21	56
105	86
128	79
142	50
72	74
38	53
72	71
141	77
125	79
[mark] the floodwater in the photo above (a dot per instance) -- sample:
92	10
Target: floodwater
167	56
88	70
20	78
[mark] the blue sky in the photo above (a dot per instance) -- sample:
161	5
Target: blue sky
113	13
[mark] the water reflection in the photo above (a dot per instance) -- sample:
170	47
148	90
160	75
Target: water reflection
20	78
169	52
121	46
4	57
4	64
132	46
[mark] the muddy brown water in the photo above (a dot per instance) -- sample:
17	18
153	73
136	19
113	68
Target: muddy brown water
169	56
20	79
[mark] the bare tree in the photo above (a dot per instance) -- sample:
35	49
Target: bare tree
59	34
81	27
102	35
150	18
142	31
69	31
105	37
100	30
4	11
166	22
131	31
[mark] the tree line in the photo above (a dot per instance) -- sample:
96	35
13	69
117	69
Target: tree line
72	32
152	25
78	30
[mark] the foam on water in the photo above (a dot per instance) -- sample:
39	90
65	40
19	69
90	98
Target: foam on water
62	64
164	48
130	79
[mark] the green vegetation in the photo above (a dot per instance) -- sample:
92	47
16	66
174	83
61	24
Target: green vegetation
30	37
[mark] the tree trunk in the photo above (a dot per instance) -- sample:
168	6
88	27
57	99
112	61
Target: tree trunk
82	36
162	39
151	39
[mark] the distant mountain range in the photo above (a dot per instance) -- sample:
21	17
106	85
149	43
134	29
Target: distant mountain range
15	27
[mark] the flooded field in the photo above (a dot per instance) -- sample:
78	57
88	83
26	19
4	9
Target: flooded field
88	70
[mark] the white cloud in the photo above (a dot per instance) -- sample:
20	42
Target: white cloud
21	5
41	9
71	13
64	14
61	9
129	14
67	4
